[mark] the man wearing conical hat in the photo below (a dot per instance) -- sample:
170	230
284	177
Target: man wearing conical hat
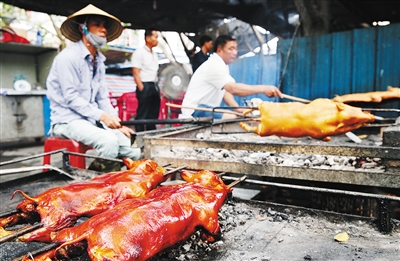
77	91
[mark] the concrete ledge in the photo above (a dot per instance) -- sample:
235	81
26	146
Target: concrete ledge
391	136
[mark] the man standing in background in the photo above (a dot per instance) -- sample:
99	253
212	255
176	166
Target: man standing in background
206	45
212	83
144	70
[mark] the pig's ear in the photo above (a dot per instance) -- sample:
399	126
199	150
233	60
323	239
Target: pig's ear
128	163
340	106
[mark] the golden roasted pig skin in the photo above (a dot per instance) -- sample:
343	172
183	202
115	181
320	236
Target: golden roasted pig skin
391	93
60	207
318	119
139	228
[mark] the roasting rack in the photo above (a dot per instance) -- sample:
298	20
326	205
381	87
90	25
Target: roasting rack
225	126
385	222
220	127
383	122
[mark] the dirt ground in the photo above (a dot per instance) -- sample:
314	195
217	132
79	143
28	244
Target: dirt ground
268	232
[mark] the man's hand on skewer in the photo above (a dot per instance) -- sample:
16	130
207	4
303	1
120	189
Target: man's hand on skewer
110	121
126	131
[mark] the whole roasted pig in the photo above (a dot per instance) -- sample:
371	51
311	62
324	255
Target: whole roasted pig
139	228
391	93
60	207
318	119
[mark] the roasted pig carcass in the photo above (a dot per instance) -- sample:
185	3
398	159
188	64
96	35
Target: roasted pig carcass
60	207
139	228
391	93
318	119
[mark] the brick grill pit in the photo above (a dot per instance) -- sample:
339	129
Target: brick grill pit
372	166
199	148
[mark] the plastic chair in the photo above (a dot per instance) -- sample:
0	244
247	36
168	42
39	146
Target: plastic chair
169	112
57	143
127	106
113	100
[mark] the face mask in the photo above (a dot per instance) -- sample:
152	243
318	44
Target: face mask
96	41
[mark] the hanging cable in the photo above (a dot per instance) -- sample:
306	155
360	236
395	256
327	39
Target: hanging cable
288	55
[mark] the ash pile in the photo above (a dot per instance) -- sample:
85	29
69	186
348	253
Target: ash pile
260	231
318	161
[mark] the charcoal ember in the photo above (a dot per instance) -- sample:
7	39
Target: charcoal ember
377	160
368	165
218	155
271	212
226	153
210	150
186	247
238	153
199	150
359	162
284	216
259	155
12	250
317	160
249	160
200	136
330	161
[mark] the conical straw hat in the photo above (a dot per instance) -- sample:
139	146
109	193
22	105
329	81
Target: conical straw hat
8	29
70	27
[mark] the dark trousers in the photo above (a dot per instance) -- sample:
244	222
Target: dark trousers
149	105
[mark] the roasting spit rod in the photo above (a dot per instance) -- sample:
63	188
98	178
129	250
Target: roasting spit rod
20	232
26	169
381	109
174	170
317	189
204	109
205	120
237	181
295	98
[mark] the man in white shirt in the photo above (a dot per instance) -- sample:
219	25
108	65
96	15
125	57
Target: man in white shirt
144	70
212	83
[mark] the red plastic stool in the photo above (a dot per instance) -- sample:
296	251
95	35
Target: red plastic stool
57	143
127	106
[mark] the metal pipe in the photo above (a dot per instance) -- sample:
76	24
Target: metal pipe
169	121
19	233
26	169
31	157
174	170
381	109
325	190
